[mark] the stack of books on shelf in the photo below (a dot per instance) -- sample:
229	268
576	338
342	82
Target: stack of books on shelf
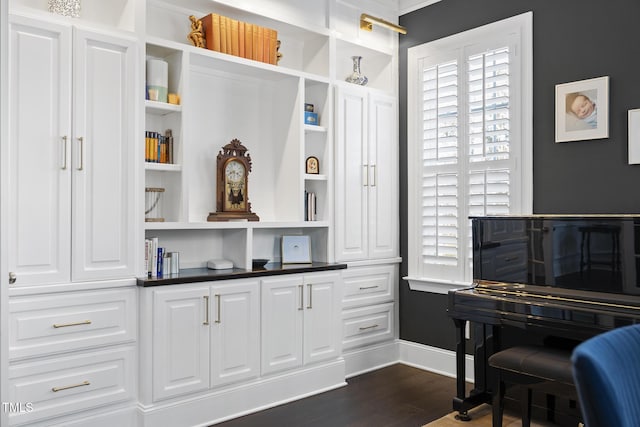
158	147
239	38
310	210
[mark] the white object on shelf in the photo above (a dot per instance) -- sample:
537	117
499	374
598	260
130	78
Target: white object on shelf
157	79
65	7
219	264
153	204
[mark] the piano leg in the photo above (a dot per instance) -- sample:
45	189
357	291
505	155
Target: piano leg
460	357
483	337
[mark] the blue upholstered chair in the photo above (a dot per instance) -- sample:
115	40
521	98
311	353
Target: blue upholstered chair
606	370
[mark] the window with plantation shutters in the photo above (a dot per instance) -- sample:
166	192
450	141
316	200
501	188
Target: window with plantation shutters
469	142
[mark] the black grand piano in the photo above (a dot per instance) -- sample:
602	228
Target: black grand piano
546	277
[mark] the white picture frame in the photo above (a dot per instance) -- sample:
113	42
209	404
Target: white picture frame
582	110
296	249
634	136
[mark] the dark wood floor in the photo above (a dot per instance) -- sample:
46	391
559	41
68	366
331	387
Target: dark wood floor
397	395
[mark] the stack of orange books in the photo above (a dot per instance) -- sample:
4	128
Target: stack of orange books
239	38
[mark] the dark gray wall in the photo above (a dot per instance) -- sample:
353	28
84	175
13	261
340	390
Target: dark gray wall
572	40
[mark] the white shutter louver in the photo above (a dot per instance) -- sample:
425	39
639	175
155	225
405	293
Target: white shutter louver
487	149
440	195
488	105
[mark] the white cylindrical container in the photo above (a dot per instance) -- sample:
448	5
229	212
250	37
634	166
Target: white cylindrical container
175	262
157	80
166	263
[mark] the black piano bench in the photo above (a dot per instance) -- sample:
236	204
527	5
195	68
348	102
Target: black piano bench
528	365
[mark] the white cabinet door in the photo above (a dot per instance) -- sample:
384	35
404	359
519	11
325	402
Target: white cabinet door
39	202
351	173
103	158
383	236
181	320
235	332
322	317
300	320
59	172
282	323
366	175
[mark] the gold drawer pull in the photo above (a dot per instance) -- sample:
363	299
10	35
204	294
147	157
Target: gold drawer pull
206	308
362	288
301	289
67	387
64	325
218	297
310	296
364	328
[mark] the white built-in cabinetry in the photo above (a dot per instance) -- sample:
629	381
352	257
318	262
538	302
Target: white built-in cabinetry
366	175
368	299
207	339
72	143
72	204
224	97
367	222
300	320
204	335
71	351
75	198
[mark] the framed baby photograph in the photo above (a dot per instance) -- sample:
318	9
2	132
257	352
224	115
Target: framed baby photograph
582	110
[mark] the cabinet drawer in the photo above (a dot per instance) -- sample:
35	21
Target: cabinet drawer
46	324
368	285
367	325
61	385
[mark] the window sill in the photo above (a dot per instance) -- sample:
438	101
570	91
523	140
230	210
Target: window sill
435	286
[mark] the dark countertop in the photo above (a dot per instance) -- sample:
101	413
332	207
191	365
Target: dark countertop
194	275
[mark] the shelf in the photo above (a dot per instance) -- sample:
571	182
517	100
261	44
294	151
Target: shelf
193	275
377	65
163	167
233	225
296	41
266	15
236	65
315	128
161	108
315	177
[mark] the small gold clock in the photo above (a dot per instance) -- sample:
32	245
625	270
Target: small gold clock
232	184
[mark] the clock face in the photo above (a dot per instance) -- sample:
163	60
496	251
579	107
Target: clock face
235	187
234	171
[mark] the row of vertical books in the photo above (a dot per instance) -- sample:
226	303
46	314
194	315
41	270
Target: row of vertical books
250	41
158	147
153	256
310	209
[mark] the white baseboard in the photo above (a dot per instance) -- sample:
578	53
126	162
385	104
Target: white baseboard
370	358
235	401
121	416
432	359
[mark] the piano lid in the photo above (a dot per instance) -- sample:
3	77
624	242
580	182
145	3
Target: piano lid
577	252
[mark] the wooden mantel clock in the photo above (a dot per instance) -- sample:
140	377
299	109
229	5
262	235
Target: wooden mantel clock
232	190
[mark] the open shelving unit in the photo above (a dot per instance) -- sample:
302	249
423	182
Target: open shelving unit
225	97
